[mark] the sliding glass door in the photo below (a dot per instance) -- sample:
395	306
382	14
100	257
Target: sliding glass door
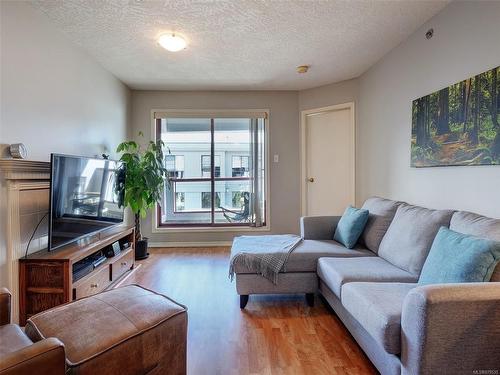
216	171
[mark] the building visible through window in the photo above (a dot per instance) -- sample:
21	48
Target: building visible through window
205	166
180	200
206	200
240	166
174	164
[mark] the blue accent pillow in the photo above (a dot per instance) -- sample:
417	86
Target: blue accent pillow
459	258
351	225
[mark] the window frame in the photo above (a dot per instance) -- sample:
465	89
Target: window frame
159	227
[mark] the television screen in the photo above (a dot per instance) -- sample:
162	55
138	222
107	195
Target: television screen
82	198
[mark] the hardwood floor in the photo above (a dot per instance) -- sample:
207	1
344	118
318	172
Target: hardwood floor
273	335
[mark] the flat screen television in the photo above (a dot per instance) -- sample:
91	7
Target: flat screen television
83	200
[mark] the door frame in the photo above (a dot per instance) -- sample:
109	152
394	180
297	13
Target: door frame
303	149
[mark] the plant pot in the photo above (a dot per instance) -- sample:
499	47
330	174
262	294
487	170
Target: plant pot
141	249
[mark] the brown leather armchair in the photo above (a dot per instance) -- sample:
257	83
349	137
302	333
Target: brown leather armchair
19	355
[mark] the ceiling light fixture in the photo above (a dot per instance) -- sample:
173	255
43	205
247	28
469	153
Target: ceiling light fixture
172	42
302	69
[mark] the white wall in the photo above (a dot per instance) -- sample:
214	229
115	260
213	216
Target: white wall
466	42
283	138
53	96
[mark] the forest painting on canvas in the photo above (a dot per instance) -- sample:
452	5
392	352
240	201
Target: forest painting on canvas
458	125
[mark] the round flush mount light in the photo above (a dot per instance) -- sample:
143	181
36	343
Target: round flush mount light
172	42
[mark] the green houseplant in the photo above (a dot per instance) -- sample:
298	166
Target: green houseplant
140	183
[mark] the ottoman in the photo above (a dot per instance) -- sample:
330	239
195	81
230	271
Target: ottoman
128	330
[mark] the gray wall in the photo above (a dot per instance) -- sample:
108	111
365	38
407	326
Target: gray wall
53	96
332	94
283	138
466	42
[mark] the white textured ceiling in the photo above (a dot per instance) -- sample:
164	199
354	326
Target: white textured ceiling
237	44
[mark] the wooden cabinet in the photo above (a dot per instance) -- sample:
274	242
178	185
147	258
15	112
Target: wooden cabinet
46	278
121	265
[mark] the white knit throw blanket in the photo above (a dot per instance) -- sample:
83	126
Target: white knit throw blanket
266	254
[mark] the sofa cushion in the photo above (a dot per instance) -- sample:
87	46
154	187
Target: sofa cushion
381	213
480	226
410	236
378	307
304	258
336	272
350	226
459	258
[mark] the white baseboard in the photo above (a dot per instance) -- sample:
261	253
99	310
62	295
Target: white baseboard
190	244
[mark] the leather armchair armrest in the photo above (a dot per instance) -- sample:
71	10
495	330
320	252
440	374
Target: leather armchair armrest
5	298
451	329
45	357
318	227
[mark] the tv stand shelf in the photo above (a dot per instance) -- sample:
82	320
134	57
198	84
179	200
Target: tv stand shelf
46	277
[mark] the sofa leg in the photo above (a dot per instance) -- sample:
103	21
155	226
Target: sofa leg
243	300
310	299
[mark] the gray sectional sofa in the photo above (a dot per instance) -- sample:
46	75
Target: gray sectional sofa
403	327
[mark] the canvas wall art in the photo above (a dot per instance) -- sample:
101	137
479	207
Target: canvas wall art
458	125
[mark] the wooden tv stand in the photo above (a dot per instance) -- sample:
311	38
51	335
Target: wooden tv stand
46	278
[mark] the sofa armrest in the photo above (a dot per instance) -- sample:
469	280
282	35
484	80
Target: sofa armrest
451	329
318	227
5	298
45	357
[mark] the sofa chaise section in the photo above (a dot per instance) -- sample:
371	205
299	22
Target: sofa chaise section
299	275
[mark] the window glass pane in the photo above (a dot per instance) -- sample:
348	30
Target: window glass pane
232	143
234	201
186	140
232	139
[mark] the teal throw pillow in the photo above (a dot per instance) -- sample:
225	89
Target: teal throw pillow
351	226
459	258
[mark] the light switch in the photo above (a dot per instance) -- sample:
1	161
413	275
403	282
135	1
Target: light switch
276	158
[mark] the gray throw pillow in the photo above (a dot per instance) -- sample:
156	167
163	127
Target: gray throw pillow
382	212
410	235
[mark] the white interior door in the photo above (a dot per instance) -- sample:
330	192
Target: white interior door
329	161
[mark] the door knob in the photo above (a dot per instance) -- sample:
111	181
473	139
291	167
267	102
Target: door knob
311	179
